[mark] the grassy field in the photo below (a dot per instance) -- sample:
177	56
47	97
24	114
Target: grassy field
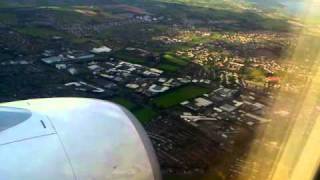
171	58
145	115
8	18
273	24
124	102
177	96
39	32
129	56
168	67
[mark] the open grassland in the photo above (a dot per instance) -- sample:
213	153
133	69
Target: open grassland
8	18
179	95
169	68
129	56
145	115
171	58
39	32
124	102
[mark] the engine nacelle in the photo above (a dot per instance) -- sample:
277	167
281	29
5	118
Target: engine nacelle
73	138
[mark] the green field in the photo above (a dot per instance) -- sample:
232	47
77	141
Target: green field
8	18
145	115
39	32
129	56
171	58
124	102
273	24
168	67
177	96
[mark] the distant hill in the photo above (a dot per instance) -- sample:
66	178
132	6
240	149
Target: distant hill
202	3
57	2
88	2
265	5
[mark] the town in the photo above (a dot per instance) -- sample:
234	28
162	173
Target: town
202	92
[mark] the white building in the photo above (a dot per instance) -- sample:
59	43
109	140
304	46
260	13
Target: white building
132	86
158	89
102	49
73	71
201	102
228	108
52	59
61	66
